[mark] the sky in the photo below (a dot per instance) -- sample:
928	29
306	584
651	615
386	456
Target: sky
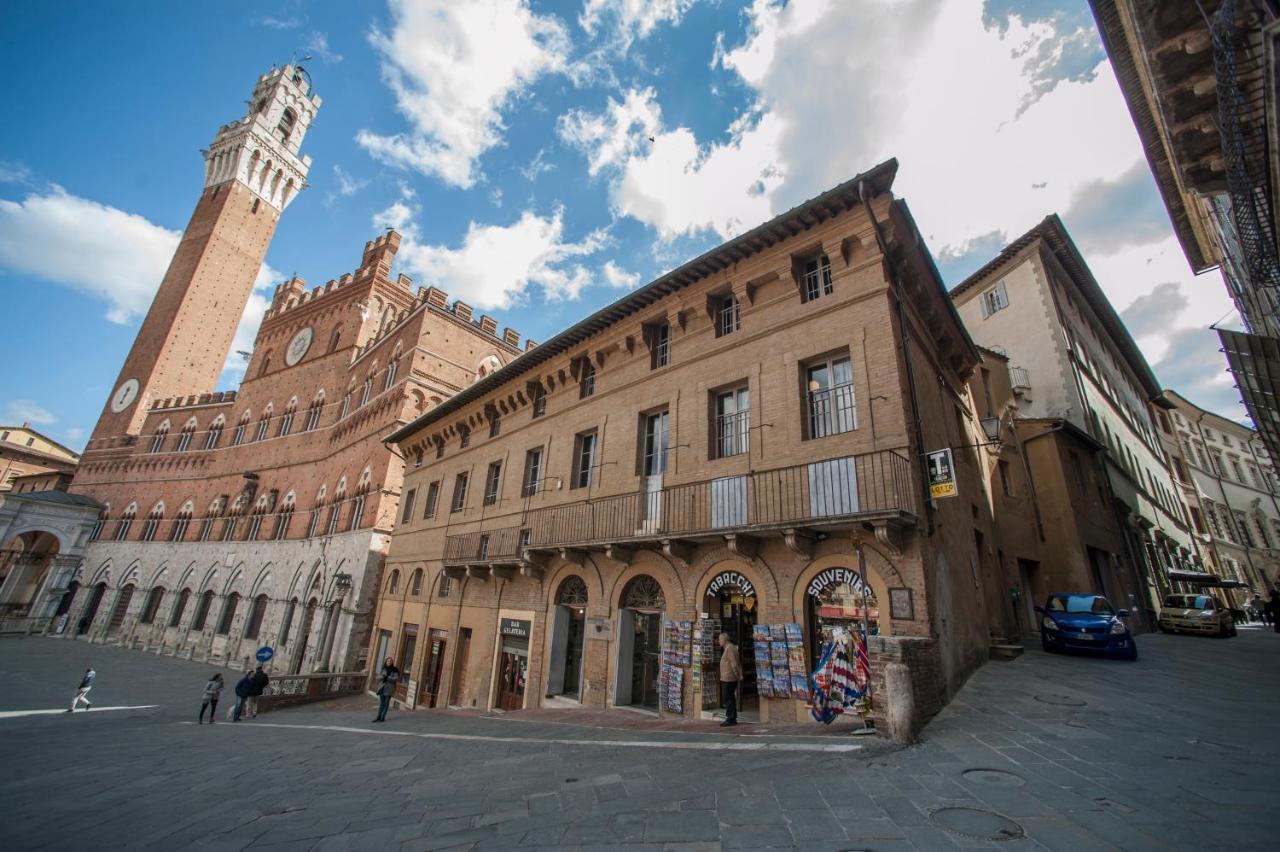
541	157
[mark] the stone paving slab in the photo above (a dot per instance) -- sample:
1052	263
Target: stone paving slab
1176	751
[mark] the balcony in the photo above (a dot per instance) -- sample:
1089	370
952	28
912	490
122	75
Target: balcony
796	503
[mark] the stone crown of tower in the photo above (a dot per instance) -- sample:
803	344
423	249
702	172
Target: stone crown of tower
260	149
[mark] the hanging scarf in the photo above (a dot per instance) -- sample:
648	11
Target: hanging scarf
841	678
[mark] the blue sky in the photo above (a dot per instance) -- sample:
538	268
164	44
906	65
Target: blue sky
510	141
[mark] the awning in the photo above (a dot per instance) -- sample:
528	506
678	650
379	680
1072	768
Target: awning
1203	578
1254	360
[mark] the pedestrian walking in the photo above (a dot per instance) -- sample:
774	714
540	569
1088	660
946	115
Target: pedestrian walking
82	691
260	681
730	677
209	701
386	688
244	688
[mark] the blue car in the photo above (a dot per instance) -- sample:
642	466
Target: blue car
1085	622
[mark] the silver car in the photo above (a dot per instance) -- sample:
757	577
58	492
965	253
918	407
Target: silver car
1196	614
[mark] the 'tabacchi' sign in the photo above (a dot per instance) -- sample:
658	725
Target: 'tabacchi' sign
731	578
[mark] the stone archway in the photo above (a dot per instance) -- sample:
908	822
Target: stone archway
25	561
829	592
642	604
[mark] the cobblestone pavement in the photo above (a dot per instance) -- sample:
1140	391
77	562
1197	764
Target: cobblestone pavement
1176	751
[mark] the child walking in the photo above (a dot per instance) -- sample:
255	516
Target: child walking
212	691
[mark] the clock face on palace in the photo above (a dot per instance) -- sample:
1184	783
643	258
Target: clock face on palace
125	395
298	346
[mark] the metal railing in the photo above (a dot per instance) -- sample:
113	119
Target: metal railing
733	434
821	492
832	411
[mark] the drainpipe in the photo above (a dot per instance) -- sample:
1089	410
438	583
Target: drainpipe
900	311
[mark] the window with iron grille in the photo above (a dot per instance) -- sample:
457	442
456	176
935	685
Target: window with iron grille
584	459
815	282
532	472
728	315
433	497
830	398
732	422
459	493
659	345
492	481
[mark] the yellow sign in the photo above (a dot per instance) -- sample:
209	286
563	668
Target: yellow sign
942	474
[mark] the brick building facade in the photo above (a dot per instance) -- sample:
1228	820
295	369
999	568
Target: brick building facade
258	516
718	444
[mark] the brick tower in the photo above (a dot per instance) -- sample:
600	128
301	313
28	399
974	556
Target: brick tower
252	171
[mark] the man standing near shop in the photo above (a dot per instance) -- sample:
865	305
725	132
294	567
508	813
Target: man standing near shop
730	677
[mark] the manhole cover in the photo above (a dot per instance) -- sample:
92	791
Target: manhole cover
1060	700
993	777
977	824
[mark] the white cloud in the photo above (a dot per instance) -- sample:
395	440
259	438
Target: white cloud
116	257
537	166
112	255
616	135
453	66
11	172
627	20
318	46
347	185
616	276
74	434
27	411
280	23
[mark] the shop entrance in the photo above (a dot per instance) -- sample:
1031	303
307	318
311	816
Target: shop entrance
836	600
408	643
430	689
513	663
564	675
91	611
640	643
731	600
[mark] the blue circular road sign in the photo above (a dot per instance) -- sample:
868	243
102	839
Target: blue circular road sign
264	653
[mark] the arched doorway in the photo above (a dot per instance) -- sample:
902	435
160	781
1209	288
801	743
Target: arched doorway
304	635
152	606
640	613
732	606
119	611
24	561
568	629
64	605
836	598
91	610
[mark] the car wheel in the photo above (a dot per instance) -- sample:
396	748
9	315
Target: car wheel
1048	649
1132	654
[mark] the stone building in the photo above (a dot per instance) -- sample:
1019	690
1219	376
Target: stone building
1075	363
258	516
1229	484
25	452
712	451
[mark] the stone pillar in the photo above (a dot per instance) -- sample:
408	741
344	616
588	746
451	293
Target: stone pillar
326	637
900	703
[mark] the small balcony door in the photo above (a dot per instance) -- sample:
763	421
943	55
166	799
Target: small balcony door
653	466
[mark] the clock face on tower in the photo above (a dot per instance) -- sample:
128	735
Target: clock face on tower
298	346
125	395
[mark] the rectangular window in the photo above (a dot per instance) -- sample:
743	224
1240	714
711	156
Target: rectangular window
659	345
495	426
539	403
439	449
728	315
237	437
444	586
653	452
408	505
831	402
262	429
459	493
466	438
433	497
994	299
255	524
584	459
1242	529
816	280
286	424
314	523
732	423
587	381
332	526
492	482
532	472
1006	486
346	406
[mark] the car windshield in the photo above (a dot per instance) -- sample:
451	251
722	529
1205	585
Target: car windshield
1080	603
1189	602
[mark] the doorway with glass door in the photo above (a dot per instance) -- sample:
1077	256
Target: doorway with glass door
731	600
640	644
568	630
653	464
513	663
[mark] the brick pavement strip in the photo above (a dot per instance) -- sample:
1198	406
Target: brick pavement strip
1141	764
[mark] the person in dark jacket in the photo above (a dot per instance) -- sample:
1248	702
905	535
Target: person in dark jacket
212	692
244	688
386	688
260	681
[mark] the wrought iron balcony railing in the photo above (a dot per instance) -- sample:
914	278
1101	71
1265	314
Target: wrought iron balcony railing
822	493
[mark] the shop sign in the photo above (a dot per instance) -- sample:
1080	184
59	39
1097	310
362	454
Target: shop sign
834	577
942	474
513	627
901	605
731	579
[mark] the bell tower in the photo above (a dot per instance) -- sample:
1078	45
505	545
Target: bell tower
252	172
